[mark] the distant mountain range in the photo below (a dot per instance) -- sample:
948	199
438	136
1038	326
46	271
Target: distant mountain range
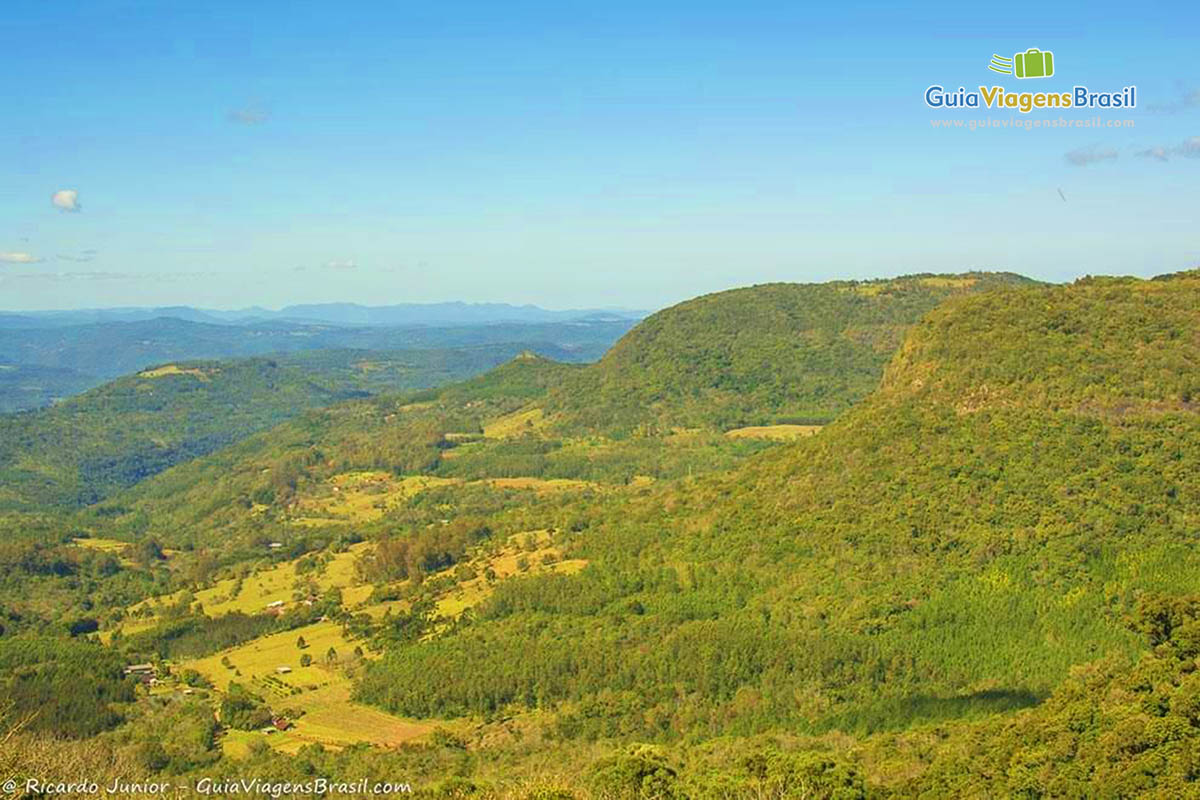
347	314
46	356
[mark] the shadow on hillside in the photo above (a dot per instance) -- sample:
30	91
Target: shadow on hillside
917	709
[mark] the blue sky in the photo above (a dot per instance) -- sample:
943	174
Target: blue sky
616	154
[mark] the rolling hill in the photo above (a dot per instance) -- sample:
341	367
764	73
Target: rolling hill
113	436
41	361
990	517
755	356
978	580
260	486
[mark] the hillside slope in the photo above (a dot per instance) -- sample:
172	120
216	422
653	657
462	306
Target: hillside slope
756	355
117	434
242	492
984	521
23	387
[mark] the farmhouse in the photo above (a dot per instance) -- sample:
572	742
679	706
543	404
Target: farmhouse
143	672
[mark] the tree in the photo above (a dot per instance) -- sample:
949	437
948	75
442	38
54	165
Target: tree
242	710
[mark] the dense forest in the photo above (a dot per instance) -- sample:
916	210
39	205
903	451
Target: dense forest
756	356
987	520
977	578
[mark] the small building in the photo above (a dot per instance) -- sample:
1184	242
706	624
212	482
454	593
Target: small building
283	670
275	545
143	672
275	604
281	724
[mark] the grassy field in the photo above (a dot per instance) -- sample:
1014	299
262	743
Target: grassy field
542	485
277	583
512	561
113	546
270	665
319	694
116	548
168	370
281	583
774	432
517	423
358	497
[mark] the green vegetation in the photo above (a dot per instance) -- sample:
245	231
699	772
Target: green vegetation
307	481
64	687
979	576
116	435
87	447
757	356
23	386
953	546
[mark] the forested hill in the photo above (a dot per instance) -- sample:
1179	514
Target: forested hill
992	516
239	492
115	435
524	378
119	433
759	355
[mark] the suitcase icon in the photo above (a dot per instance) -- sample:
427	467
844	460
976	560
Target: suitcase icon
1034	63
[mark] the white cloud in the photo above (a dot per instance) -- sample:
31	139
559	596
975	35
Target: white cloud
18	258
1090	155
250	115
66	200
82	257
1188	98
341	265
1189	148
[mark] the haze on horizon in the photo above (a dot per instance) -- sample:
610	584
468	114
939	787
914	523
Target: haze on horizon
221	156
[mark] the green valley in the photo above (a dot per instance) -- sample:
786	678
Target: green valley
962	565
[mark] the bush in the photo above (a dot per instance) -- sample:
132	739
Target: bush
640	772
